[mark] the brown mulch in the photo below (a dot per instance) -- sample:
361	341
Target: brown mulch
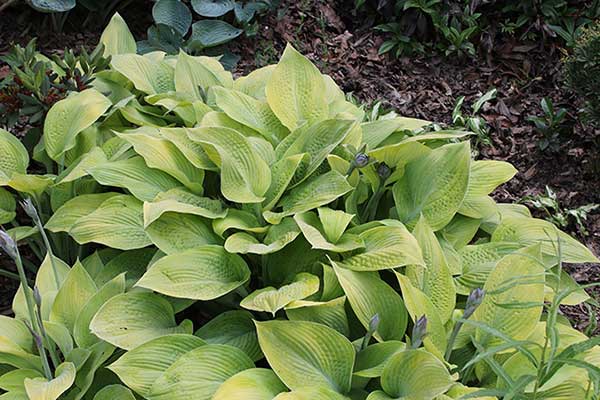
427	87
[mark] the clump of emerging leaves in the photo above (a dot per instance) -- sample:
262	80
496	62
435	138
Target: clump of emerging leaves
222	224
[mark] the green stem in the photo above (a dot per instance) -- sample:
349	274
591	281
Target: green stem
10	275
49	344
452	339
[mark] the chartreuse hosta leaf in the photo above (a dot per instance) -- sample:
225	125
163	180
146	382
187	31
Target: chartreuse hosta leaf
435	279
116	38
514	296
16	331
371	361
309	393
141	367
369	295
202	273
460	231
386	247
234	328
130	319
67	215
69	117
195	75
283	172
161	154
271	300
375	132
415	374
305	354
329	313
114	392
174	232
528	231
8	206
14	157
13	382
295	91
133	263
419	304
251	384
182	201
199	373
193	151
276	238
148	75
326	231
238	219
484	178
434	185
255	82
313	193
41	389
245	176
118	223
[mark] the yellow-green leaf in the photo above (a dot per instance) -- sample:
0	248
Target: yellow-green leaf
116	38
270	299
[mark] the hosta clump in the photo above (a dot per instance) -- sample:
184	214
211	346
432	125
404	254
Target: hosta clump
253	238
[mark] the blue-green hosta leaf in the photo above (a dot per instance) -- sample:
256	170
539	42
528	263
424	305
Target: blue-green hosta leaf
238	219
181	201
117	38
528	231
305	354
14	157
330	313
8	206
277	237
517	278
67	215
212	32
295	91
114	392
130	319
245	176
173	13
165	156
148	75
141	367
315	232
117	223
371	361
74	293
369	295
203	273
251	112
316	139
434	185
419	304
212	8
195	75
173	232
68	117
81	327
52	6
434	279
478	261
313	193
251	384
255	82
375	132
234	328
271	300
134	175
199	373
41	389
415	374
386	247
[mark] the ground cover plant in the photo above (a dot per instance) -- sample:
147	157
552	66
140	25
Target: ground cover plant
221	238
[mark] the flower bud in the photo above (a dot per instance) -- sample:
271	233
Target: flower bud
374	323
361	160
8	245
419	332
30	210
37	296
383	171
473	301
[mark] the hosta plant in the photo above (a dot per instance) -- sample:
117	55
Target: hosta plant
261	242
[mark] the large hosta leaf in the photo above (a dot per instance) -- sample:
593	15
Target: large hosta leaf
195	75
371	361
277	237
173	233
305	354
118	223
199	373
271	300
14	156
52	6
514	296
141	367
314	231
234	328
67	215
528	231
369	295
386	247
116	38
295	90
8	206
148	75
415	374
114	392
245	176
251	384
68	117
434	185
181	201
212	32
173	13
203	273
329	313
212	8
133	318
41	389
